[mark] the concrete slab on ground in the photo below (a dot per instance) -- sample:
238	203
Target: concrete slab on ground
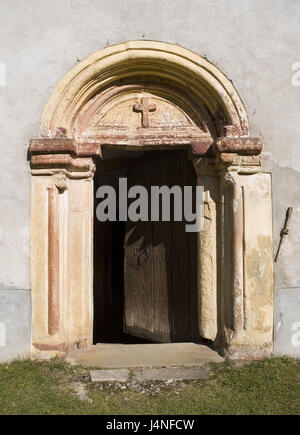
130	356
154	374
171	374
119	375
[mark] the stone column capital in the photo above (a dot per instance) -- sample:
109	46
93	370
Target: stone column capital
238	153
58	155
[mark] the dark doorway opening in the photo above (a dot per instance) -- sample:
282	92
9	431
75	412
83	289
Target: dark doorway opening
145	272
109	272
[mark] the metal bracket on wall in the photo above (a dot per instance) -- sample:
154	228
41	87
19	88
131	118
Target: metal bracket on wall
285	230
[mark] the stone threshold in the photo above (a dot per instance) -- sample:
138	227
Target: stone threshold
151	374
144	356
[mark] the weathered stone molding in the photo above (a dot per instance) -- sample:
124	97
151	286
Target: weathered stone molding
162	62
243	146
63	151
64	146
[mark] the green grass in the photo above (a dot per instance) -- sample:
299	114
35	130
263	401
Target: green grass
270	386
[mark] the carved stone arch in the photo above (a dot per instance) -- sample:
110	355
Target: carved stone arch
147	61
147	95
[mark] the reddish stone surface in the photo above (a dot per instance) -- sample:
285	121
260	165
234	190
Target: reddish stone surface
145	108
239	145
50	347
53	262
201	147
63	146
61	161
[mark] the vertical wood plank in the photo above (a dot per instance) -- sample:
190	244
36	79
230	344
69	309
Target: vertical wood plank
138	297
162	276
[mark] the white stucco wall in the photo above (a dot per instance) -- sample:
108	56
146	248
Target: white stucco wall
254	42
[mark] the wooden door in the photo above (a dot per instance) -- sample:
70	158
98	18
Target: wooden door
160	259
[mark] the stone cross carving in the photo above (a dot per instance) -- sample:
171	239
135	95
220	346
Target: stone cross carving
145	108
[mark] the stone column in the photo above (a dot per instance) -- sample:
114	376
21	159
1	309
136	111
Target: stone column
53	262
61	250
207	254
234	225
246	284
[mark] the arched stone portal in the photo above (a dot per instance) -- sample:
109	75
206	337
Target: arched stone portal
146	95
